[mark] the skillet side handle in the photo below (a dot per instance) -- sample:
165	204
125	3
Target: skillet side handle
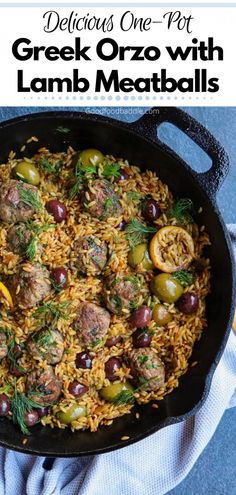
211	180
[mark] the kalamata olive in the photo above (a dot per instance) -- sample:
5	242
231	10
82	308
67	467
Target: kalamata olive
188	303
141	338
90	157
151	210
75	411
31	417
122	225
166	288
27	172
83	360
111	366
141	317
43	411
17	350
5	405
139	255
57	209
123	174
115	339
161	315
77	389
60	277
112	391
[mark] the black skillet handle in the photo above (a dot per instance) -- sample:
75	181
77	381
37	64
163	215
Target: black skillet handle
214	177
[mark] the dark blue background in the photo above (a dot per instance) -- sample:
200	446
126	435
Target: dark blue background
215	471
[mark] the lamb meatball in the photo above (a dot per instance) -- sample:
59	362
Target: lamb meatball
12	208
120	291
46	344
43	386
92	322
3	345
104	200
30	285
18	238
147	369
91	255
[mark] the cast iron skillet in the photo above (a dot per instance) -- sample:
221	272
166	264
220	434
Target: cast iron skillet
138	143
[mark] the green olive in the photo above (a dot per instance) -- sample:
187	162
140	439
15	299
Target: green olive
166	288
111	392
90	157
27	172
161	315
74	412
139	255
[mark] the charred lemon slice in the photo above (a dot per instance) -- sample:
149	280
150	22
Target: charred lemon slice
171	249
5	295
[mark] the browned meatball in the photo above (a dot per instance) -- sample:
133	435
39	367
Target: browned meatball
147	369
29	285
12	208
120	292
3	345
92	322
91	255
43	386
46	344
18	238
103	199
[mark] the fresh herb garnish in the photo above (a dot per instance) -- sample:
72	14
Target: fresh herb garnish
184	277
11	355
63	130
182	210
133	305
42	338
134	196
142	359
116	300
77	178
50	312
36	230
29	198
133	280
124	397
20	404
135	231
95	343
48	167
111	170
107	203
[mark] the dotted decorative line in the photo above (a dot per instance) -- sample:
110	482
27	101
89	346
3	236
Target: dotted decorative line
118	98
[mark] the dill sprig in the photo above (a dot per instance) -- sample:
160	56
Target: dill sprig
79	175
5	389
133	280
111	170
134	196
43	338
78	179
183	210
48	167
124	397
10	352
29	198
50	312
20	404
36	230
135	231
184	277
